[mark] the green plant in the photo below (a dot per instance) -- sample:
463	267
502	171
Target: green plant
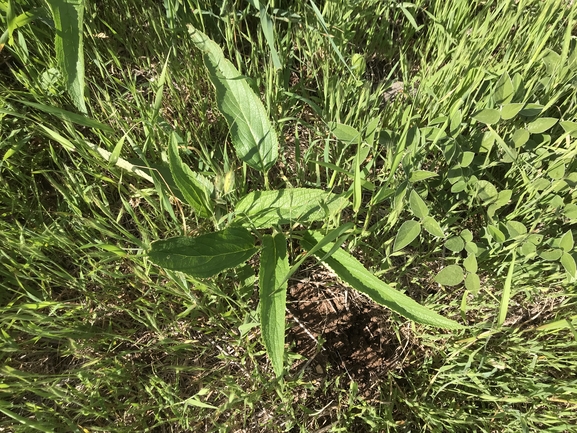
68	19
208	254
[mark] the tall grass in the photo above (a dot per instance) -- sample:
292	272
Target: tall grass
95	338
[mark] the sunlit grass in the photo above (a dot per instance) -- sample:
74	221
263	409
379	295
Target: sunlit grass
93	337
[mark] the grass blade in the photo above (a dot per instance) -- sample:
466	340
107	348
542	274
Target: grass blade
268	32
68	116
504	306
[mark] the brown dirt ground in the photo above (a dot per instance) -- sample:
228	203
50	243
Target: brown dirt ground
340	331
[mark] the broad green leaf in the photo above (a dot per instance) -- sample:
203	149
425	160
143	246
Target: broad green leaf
488	116
466	235
487	142
552	61
273	268
68	20
470	264
372	130
433	134
456	120
455	174
418	206
570	127
556	170
433	227
205	255
551	255
528	248
407	233
535	239
556	201
117	150
252	135
450	275
496	234
472	283
520	137
345	133
412	138
193	190
459	186
467	159
541	125
531	110
455	244
570	211
471	247
568	263
506	296
358	65
486	190
418	175
510	111
352	272
410	16
502	199
504	90
515	228
261	209
566	242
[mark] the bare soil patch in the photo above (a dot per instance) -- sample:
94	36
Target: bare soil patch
341	332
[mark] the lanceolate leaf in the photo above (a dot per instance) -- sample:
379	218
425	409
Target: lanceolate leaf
263	209
352	272
193	190
504	90
407	233
206	255
254	138
68	19
273	268
433	227
541	125
418	205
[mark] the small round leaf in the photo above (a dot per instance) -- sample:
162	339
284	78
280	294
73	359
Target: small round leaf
455	244
472	283
450	275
